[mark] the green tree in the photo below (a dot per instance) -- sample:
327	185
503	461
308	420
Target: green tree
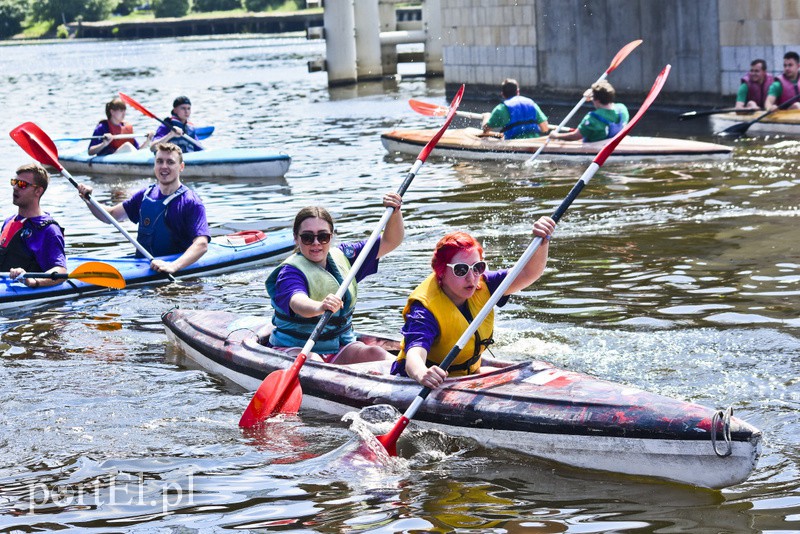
261	5
170	8
126	7
216	5
12	13
67	10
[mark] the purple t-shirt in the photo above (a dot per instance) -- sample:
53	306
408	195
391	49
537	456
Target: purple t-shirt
186	214
421	326
102	129
291	280
46	244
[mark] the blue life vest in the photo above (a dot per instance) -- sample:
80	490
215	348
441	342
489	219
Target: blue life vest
523	117
154	233
291	330
612	128
188	129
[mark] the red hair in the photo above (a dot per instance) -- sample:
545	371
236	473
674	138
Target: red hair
449	246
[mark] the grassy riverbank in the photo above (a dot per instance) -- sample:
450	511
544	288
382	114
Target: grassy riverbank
33	30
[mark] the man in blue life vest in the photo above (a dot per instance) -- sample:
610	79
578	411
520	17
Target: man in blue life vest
606	121
31	240
171	217
178	126
787	85
517	117
752	93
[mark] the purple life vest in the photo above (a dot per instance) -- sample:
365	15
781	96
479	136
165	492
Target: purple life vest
789	89
755	91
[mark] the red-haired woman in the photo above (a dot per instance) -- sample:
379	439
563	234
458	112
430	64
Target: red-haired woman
440	309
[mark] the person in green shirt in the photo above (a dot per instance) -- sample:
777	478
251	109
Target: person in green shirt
604	122
752	93
786	86
517	117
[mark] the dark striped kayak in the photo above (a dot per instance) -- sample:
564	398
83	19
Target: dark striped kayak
531	407
235	252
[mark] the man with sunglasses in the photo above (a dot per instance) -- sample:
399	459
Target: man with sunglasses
31	240
171	217
441	308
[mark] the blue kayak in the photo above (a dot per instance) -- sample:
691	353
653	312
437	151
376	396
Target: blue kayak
210	163
235	252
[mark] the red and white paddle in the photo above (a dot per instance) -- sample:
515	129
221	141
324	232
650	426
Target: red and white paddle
280	392
389	440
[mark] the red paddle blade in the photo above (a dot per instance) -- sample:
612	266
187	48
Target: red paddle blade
450	114
36	143
389	440
133	103
428	109
651	96
622	54
278	393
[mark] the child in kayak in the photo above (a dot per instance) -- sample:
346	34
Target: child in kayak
115	125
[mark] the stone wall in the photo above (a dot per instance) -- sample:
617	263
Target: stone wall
562	46
756	29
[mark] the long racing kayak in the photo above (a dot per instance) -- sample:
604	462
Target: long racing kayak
210	163
468	143
228	253
781	122
531	407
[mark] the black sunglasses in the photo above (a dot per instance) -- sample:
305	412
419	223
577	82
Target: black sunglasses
307	238
461	269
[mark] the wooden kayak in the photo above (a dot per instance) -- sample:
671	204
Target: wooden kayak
781	122
467	143
228	253
529	407
211	163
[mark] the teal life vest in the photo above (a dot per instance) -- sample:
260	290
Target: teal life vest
291	330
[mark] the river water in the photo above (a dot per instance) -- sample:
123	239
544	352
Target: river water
682	279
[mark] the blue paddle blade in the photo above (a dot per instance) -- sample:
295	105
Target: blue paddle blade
204	132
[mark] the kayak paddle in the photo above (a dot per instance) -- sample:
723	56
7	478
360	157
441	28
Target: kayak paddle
621	55
389	441
91	272
118	136
128	100
40	147
741	127
694	114
434	110
280	392
203	132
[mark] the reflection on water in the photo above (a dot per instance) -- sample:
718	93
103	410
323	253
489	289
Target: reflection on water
678	278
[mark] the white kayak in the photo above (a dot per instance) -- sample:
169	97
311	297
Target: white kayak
468	143
210	163
781	122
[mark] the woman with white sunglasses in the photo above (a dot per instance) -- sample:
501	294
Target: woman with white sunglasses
441	308
304	287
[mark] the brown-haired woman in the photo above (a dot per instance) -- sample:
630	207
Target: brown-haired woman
304	286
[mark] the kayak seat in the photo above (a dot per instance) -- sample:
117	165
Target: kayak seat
244	237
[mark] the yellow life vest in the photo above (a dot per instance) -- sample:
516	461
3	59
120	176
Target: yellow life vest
452	324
